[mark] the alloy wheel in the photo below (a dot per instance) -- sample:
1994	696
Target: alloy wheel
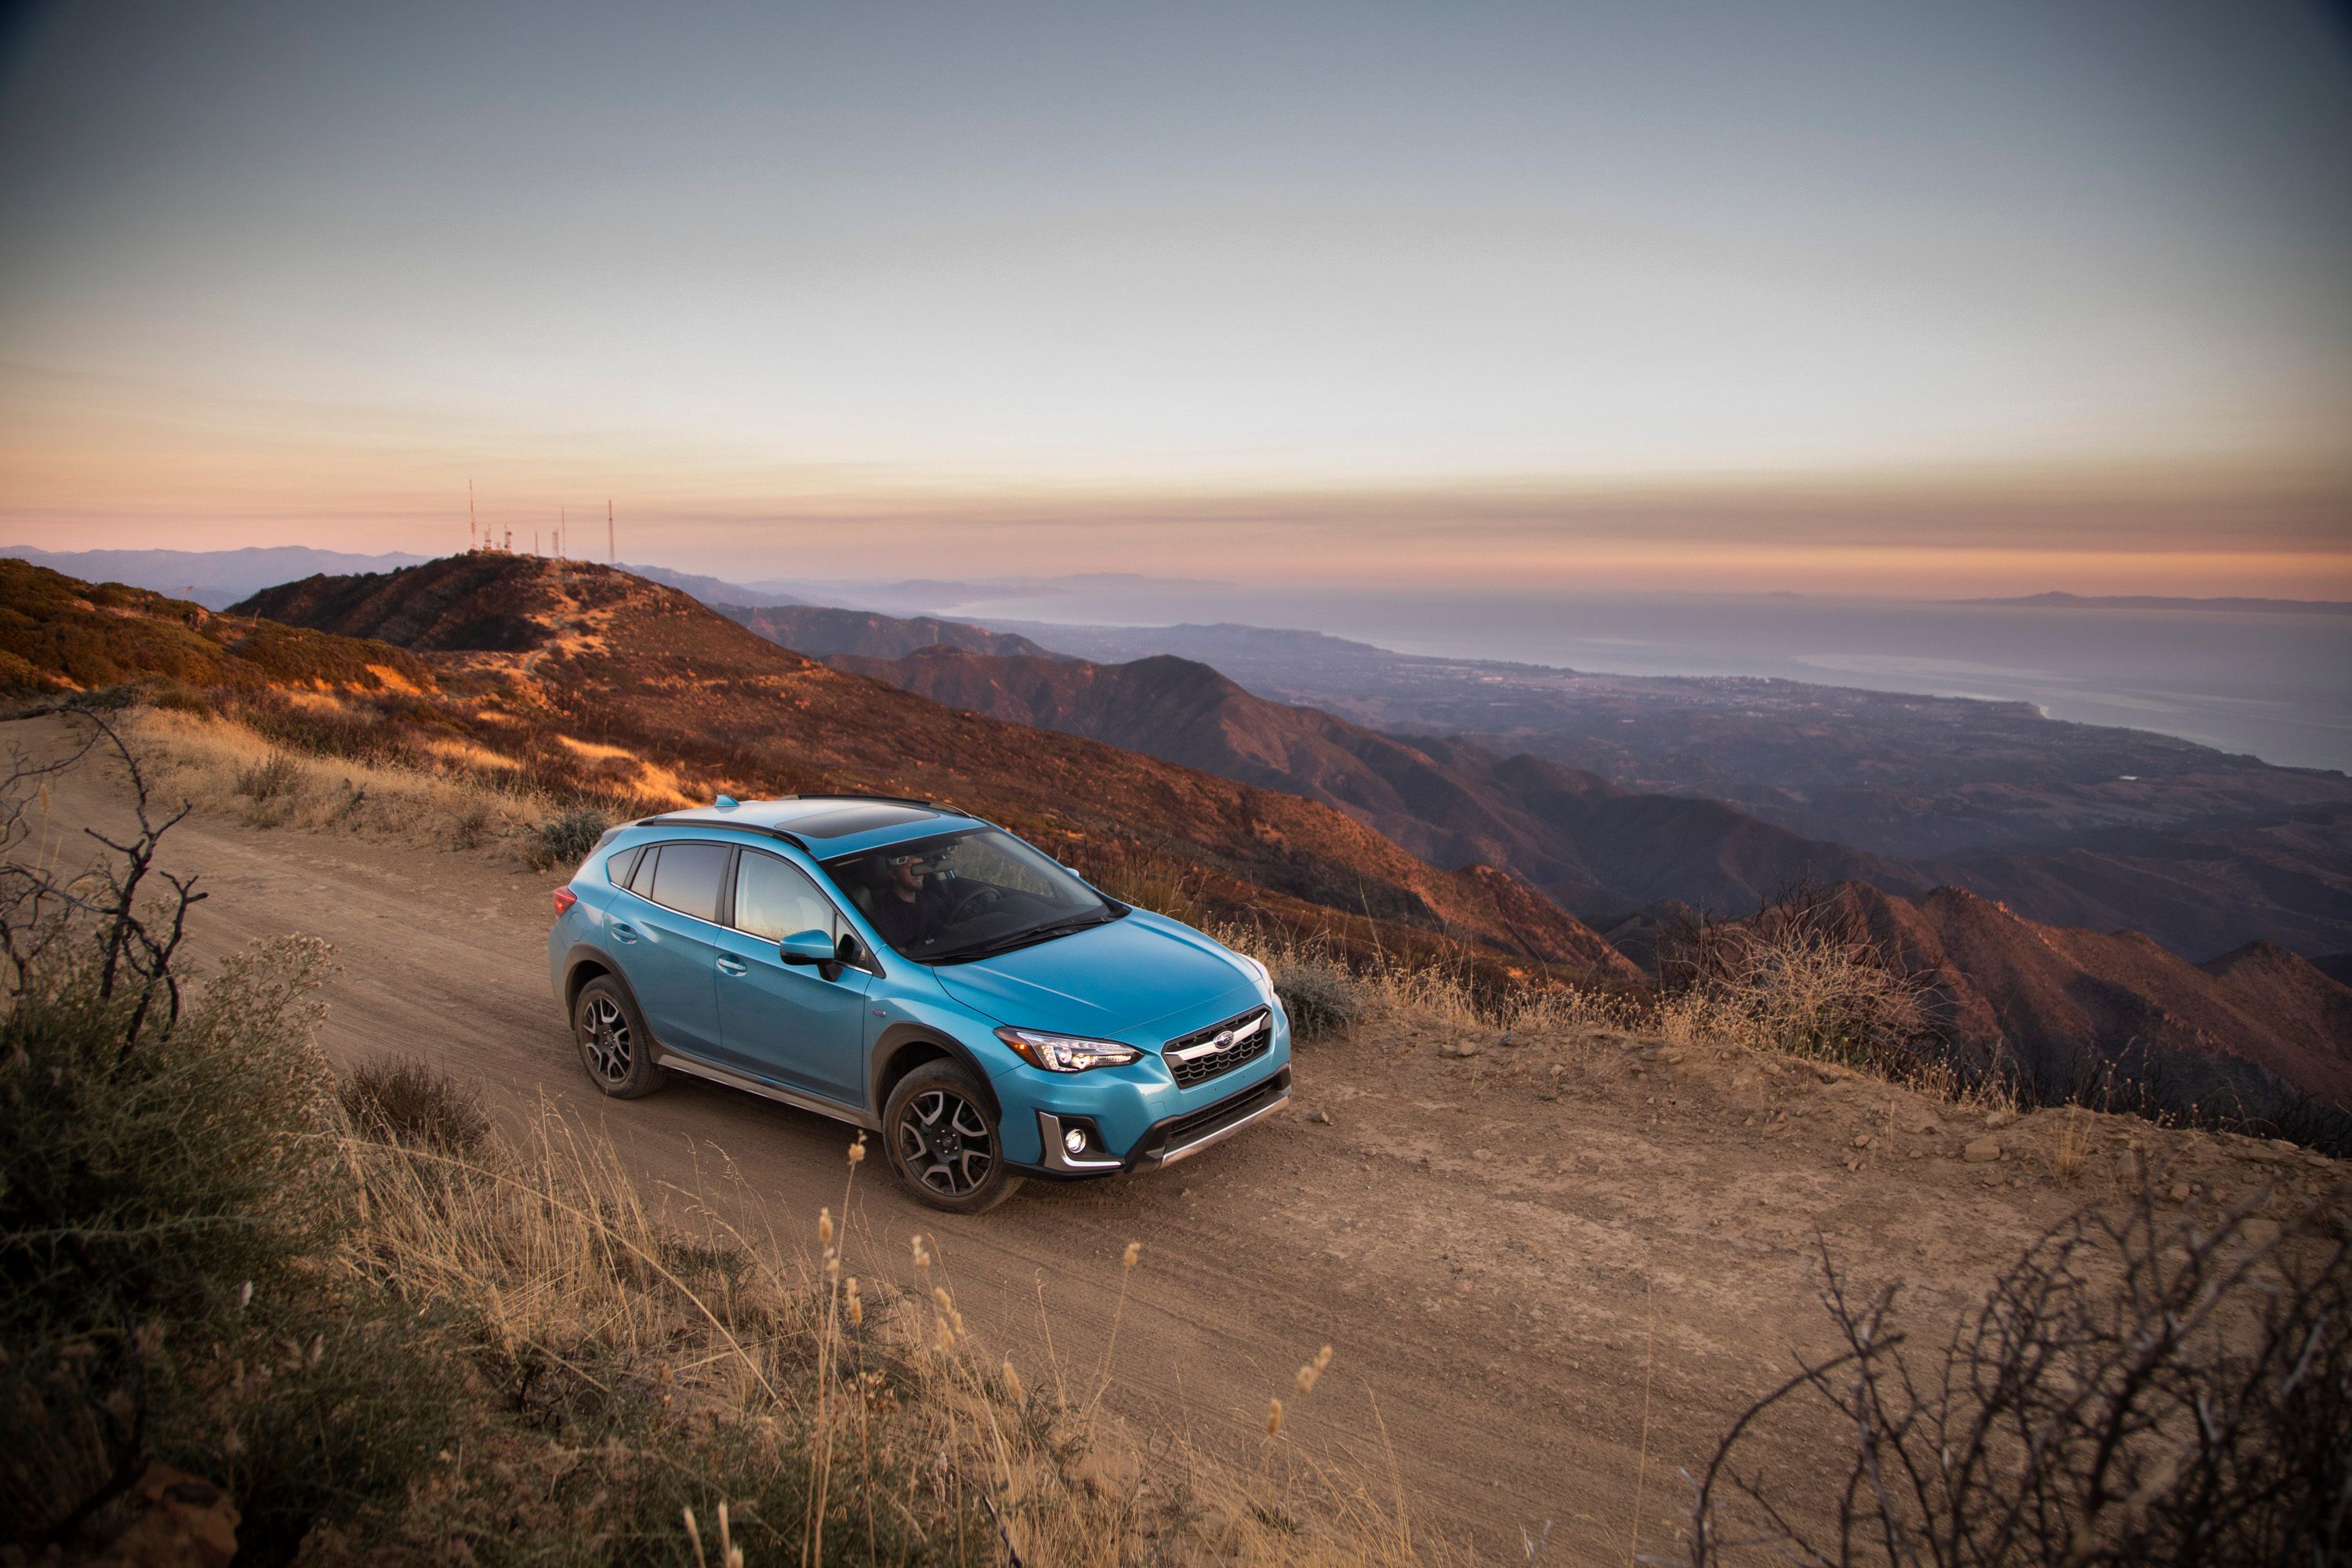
606	1043
945	1142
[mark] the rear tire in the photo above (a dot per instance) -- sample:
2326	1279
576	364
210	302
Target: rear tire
943	1141
616	1047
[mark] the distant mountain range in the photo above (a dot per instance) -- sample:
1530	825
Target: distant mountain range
714	590
1600	852
820	632
213	578
2055	601
2074	824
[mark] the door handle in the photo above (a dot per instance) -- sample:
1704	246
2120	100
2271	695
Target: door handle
624	932
732	966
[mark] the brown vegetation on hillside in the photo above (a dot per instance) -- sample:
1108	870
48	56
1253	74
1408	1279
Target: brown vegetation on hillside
1597	850
58	634
589	678
2069	1012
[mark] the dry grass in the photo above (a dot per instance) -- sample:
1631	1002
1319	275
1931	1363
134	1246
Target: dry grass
878	1412
1348	994
229	770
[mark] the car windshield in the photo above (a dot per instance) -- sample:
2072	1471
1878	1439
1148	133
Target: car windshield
966	895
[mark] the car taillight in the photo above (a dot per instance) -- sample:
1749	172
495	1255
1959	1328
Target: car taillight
564	899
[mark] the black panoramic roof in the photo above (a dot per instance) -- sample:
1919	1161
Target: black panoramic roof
859	816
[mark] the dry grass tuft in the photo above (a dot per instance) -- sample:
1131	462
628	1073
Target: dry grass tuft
404	1100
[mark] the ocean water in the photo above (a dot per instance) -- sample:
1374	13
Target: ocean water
2278	686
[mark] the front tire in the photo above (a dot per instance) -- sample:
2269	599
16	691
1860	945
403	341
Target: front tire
616	1047
943	1141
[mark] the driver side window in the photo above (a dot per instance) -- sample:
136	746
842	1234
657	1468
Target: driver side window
775	901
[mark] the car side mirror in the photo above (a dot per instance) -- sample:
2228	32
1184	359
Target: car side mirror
851	952
812	947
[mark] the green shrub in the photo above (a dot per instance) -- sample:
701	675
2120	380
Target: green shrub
565	840
152	1193
404	1100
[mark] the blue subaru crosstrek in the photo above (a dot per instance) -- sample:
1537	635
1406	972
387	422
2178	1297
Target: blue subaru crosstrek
909	968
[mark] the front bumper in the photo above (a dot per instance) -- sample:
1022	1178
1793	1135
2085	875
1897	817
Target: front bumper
1164	1141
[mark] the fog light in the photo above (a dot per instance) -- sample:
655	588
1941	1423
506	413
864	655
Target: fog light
1075	1140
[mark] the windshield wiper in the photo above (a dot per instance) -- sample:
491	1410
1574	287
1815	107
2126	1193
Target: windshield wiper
1024	938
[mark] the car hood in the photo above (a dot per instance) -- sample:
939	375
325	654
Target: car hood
1102	981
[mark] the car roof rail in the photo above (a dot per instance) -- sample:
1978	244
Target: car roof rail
680	819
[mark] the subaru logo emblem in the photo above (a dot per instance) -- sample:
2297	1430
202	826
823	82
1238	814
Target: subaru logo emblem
1224	1040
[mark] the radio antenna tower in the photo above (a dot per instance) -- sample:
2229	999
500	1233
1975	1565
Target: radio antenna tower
472	540
612	550
562	517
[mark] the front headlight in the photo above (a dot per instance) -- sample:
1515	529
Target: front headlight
1066	1053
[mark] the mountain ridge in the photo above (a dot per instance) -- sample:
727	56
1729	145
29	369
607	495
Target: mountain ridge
1598	851
584	658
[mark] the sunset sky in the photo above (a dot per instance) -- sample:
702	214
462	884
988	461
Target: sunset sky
1867	297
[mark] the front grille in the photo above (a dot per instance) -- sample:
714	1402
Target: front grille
1255	1029
1177	1131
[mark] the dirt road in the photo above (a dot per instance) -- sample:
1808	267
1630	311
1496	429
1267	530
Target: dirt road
1552	1270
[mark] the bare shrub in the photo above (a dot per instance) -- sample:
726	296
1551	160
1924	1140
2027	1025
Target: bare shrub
565	840
1322	997
2132	1390
472	825
1804	975
403	1101
273	777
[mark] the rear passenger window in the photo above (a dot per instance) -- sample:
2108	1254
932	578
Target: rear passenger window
689	878
773	901
621	866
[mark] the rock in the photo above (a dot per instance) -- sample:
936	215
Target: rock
1323	1117
1480	1154
1507	1040
1982	1150
1671	1055
1861	1140
2258	1231
185	1521
2179	1192
1459	1048
1998	1120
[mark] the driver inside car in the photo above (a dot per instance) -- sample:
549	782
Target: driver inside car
912	907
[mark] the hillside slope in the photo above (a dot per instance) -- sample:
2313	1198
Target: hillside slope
1597	849
2068	1004
2074	824
606	674
214	578
822	633
60	634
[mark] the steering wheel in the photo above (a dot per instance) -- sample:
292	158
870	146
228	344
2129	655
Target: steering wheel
980	900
